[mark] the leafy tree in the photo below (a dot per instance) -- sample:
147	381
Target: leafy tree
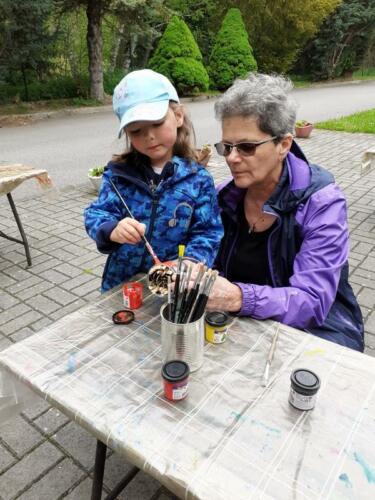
178	57
136	29
232	56
96	10
342	42
26	43
278	29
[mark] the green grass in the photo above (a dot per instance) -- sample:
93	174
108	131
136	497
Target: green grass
364	74
363	121
22	108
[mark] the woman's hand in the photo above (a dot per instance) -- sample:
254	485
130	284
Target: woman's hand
128	231
225	296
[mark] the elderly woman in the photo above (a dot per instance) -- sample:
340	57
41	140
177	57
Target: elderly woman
284	254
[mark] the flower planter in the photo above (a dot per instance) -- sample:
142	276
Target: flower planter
304	131
95	181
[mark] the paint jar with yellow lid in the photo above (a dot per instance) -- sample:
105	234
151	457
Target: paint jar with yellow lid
216	326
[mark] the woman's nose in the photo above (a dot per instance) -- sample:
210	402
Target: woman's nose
233	155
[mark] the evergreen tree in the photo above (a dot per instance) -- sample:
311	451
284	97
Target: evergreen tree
342	41
202	17
232	56
178	57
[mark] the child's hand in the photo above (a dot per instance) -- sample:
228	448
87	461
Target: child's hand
128	231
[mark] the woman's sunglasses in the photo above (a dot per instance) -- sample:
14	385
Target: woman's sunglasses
242	148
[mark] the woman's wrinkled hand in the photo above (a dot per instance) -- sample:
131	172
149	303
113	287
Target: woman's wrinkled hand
128	231
225	296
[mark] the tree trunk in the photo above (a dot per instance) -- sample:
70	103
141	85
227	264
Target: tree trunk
25	82
116	46
94	46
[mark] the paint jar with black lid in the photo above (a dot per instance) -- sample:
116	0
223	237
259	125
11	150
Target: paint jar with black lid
304	386
175	375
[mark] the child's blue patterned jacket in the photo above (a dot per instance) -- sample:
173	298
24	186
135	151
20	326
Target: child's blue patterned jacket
182	209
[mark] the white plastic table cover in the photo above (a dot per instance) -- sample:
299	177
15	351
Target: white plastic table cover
12	175
231	438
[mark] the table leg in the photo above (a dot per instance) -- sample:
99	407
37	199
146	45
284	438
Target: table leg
97	483
24	241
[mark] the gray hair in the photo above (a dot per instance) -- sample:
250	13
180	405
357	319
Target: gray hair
264	97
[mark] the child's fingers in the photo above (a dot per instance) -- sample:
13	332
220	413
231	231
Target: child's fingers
134	228
128	231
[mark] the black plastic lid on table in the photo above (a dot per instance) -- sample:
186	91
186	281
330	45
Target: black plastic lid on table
305	381
123	317
175	370
217	318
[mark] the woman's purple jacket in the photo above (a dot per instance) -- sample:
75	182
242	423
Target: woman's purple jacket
307	254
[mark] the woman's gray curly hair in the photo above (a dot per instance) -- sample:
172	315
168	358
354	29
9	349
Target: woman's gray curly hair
263	97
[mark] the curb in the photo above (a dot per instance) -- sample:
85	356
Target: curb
28	118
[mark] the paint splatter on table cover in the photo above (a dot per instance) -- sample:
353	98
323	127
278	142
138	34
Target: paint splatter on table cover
231	437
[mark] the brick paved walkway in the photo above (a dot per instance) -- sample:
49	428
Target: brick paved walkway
43	455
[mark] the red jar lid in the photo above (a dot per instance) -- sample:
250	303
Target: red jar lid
175	370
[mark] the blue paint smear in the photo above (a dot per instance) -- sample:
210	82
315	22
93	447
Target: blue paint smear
72	363
270	429
344	477
367	469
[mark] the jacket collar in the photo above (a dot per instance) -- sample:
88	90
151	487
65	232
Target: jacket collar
174	171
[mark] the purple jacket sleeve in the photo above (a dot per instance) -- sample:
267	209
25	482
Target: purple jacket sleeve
316	270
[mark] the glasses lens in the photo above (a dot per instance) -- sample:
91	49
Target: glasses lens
222	149
246	148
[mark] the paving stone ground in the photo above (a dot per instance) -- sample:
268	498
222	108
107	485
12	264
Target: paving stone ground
45	456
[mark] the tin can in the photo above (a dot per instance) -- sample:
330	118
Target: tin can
304	386
133	294
175	375
216	327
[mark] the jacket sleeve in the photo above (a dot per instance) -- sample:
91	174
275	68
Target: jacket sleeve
206	229
102	216
316	270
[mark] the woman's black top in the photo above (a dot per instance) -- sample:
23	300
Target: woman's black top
249	262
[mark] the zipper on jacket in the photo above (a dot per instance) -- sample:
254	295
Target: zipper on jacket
155	202
269	248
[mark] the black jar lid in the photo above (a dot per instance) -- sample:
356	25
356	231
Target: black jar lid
305	381
217	318
175	370
123	317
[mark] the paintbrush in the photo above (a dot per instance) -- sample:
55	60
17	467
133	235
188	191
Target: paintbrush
271	353
181	251
203	298
192	295
147	243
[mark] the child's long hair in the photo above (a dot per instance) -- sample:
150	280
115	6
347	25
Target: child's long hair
183	147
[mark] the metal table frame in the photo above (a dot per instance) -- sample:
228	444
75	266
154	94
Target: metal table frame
97	483
24	241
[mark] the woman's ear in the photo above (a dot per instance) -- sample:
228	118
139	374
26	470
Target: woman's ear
179	114
285	145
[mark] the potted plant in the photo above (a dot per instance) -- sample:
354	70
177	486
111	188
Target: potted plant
303	129
95	175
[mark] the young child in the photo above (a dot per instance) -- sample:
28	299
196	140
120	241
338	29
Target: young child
170	195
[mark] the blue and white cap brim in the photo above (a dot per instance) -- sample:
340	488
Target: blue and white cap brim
144	112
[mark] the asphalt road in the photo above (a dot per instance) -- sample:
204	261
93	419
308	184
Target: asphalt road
67	146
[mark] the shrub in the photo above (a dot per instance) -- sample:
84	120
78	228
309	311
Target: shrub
232	56
178	57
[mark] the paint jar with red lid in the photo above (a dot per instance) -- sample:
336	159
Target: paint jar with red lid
133	294
175	375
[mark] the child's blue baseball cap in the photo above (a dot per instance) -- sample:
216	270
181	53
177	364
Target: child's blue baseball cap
142	95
